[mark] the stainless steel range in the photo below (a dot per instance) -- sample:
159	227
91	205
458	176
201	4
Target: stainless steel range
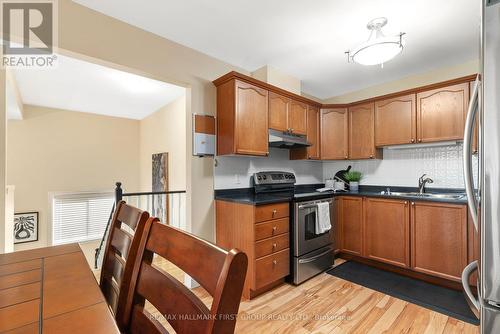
311	251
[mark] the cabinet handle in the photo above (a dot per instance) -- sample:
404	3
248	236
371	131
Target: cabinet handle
412	203
274	212
412	140
371	156
274	229
275	262
420	140
274	246
346	157
406	203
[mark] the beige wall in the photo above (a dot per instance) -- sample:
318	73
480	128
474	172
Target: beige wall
165	131
279	79
409	82
54	150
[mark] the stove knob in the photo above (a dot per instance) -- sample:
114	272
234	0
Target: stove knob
264	177
259	177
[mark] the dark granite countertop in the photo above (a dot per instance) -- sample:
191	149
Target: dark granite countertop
248	196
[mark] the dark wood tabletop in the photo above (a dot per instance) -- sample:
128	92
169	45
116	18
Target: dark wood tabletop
51	290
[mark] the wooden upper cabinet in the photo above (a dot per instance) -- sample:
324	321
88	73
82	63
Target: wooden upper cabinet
441	113
313	133
439	239
395	121
278	112
297	118
352	225
242	119
362	132
313	137
334	134
387	231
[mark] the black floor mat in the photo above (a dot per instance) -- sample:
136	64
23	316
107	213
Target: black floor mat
443	300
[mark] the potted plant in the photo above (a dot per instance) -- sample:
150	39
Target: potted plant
353	178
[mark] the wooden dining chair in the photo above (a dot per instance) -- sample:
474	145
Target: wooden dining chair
219	272
120	253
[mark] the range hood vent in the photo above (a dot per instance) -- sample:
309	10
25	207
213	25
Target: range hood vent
286	140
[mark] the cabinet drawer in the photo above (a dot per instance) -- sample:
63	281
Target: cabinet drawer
271	211
272	268
271	228
272	245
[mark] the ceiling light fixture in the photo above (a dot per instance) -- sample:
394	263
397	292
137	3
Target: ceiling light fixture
379	48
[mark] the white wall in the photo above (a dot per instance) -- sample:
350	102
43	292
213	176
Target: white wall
403	167
235	172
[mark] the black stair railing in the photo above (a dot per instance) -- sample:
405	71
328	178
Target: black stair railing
168	206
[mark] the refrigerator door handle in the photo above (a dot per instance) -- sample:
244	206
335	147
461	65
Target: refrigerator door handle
471	299
467	154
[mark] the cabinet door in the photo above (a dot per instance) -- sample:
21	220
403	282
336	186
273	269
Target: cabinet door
313	136
387	231
362	131
441	113
278	112
395	121
352	225
297	118
251	126
313	151
334	134
439	239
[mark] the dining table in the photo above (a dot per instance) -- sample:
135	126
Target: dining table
51	290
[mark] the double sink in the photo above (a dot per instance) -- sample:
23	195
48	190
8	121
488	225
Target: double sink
449	196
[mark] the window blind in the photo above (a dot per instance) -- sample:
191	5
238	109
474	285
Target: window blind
80	217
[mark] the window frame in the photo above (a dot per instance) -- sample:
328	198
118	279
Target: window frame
50	217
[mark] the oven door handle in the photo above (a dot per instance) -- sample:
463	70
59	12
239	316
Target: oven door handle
308	206
311	259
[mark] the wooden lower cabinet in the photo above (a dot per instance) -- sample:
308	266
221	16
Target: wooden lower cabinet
474	251
435	239
262	232
387	231
351	233
439	239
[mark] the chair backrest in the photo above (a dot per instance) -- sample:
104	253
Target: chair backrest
220	273
120	253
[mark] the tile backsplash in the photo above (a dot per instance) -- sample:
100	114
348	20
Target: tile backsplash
235	172
403	167
399	167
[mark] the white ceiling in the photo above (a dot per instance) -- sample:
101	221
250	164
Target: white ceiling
86	87
307	39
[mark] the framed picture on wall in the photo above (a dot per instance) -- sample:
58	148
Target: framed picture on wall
25	227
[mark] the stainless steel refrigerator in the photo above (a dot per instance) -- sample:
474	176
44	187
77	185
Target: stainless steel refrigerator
484	194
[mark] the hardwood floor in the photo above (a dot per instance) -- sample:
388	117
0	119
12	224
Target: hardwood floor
327	304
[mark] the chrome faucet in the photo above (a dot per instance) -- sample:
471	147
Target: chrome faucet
422	181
